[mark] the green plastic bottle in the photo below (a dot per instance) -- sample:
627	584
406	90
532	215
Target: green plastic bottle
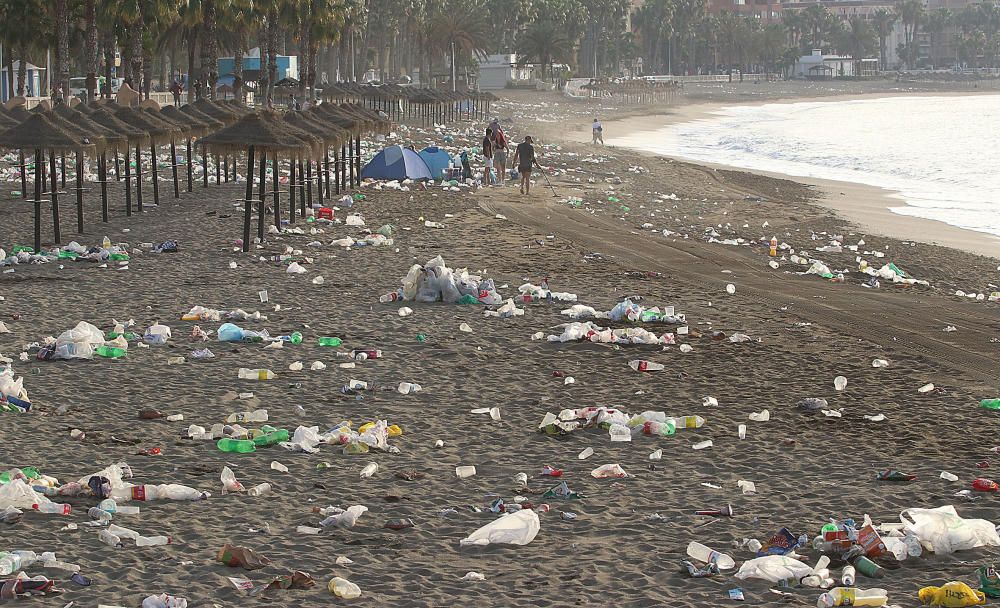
68	255
242	446
295	338
119	257
109	352
421	338
270	436
330	342
990	404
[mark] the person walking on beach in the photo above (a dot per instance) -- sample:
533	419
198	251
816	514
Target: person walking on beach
598	132
524	158
487	156
499	152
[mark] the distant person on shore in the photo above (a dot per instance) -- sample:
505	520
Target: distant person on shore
598	132
175	90
499	152
524	158
197	89
487	156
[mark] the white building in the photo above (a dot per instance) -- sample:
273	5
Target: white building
498	71
818	66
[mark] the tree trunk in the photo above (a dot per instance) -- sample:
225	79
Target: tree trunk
10	73
90	47
62	50
22	69
108	42
147	71
238	67
303	54
135	42
210	51
272	57
192	68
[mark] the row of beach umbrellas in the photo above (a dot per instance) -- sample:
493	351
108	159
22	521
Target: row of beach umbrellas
399	102
107	132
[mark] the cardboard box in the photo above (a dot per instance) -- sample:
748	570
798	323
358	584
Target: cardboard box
871	542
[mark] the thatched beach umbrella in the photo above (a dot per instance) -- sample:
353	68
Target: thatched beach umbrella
213	124
110	139
134	136
261	132
332	136
159	132
39	134
225	114
184	128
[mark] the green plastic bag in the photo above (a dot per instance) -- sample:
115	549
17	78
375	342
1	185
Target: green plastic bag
989	581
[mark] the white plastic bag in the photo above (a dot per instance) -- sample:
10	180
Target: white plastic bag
774	568
519	528
942	530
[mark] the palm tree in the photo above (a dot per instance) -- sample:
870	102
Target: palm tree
459	26
910	12
653	20
544	43
62	46
20	20
884	20
90	47
858	40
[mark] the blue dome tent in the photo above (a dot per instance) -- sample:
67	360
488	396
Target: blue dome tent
396	162
437	160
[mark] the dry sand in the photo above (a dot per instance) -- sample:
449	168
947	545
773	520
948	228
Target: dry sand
806	468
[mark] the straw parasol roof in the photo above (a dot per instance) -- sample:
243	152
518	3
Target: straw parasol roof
159	132
222	113
263	130
194	126
112	140
331	135
38	132
104	117
213	124
72	128
182	127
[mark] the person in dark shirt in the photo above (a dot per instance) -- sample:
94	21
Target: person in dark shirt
524	159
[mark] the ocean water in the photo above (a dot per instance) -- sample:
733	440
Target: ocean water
940	155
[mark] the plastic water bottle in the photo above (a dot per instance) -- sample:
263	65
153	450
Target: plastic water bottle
945	475
16	560
848	576
408	387
818	574
109	539
261	489
641	365
326	341
585	454
241	446
52	507
151	541
701	445
689	422
849	596
99	514
702	553
256	374
392	296
370	469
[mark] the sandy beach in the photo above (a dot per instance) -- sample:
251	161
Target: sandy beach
661	241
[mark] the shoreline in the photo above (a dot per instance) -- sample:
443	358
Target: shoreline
866	206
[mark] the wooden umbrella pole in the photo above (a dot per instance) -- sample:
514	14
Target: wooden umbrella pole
309	186
62	160
326	172
225	167
307	180
357	157
248	210
102	176
277	196
292	185
173	165
138	180
24	174
190	169
128	183
319	179
79	192
155	171
204	167
39	163
336	165
57	236
118	165
218	169
263	196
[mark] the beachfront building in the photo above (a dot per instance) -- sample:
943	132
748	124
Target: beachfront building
817	66
498	72
767	11
288	65
845	9
34	78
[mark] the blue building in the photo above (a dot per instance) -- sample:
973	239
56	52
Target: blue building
288	65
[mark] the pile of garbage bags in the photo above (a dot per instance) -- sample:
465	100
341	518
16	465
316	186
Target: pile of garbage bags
588	331
627	310
436	282
544	293
372	435
201	313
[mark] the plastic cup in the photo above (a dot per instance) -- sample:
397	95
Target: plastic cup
743	431
263	296
465	471
259	490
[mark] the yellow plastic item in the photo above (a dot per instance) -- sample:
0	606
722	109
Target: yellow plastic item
952	595
188	317
364	427
395	430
